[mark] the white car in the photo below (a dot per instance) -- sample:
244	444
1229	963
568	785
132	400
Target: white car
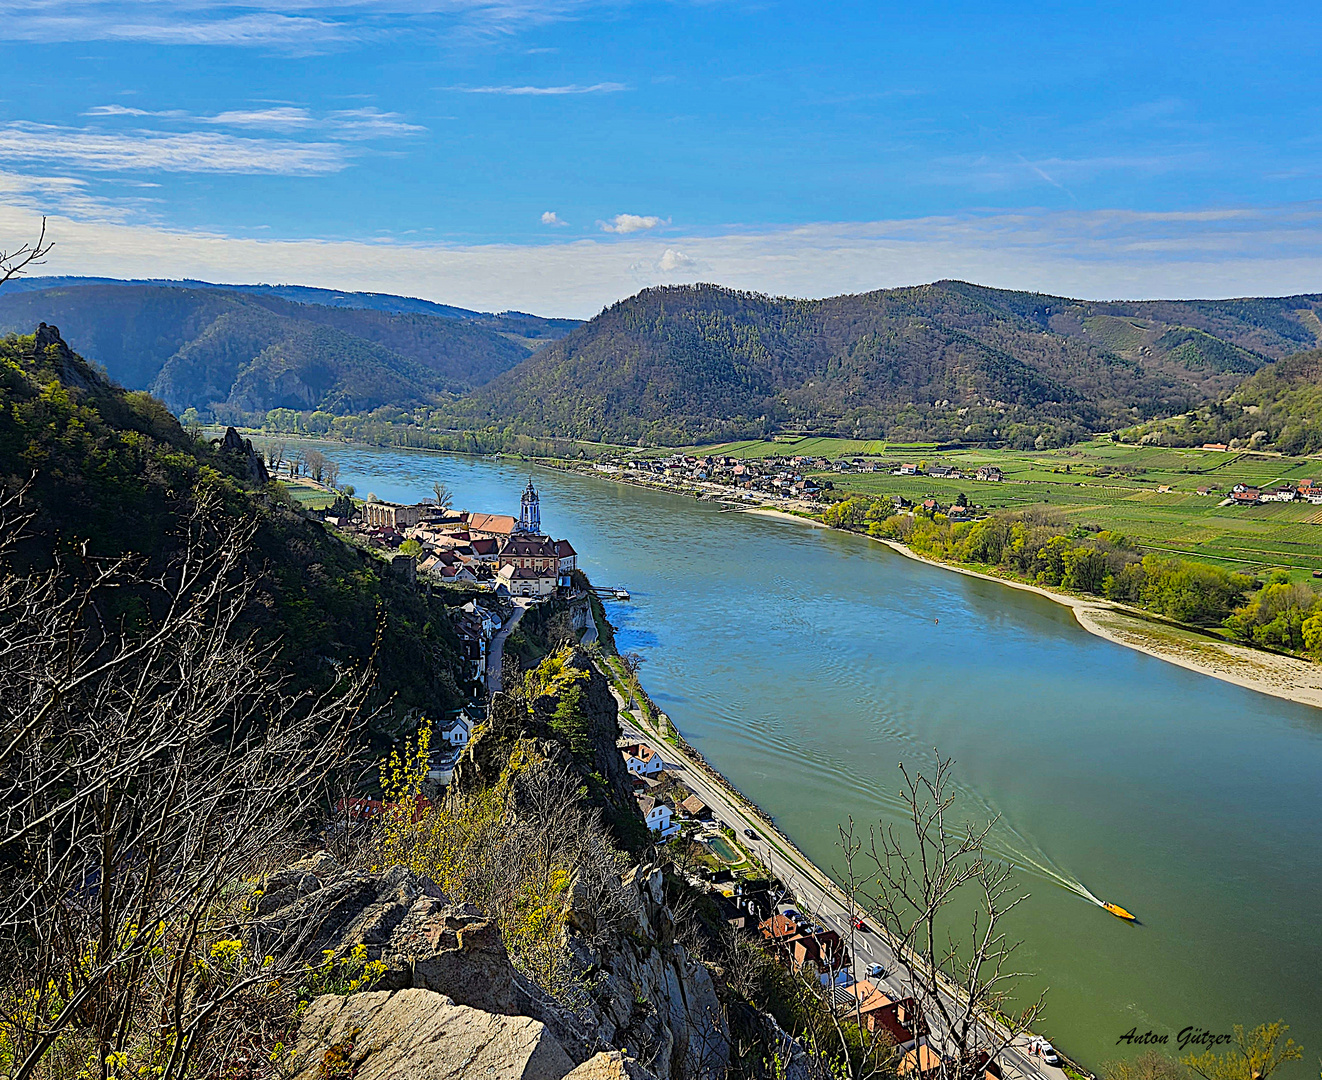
1049	1055
876	971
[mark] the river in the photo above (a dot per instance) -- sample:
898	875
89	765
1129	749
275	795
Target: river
806	664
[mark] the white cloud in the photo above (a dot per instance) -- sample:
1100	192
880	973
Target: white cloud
632	223
125	110
63	195
296	26
673	261
1094	254
542	91
193	151
550	217
362	123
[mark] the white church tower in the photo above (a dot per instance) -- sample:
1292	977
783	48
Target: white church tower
530	511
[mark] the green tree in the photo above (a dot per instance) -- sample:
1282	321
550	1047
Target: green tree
1253	1056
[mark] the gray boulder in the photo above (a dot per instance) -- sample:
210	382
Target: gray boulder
420	1035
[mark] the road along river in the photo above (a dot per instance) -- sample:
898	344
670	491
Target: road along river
805	664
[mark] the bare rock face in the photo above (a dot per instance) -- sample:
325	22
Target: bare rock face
236	444
610	1065
421	1035
647	995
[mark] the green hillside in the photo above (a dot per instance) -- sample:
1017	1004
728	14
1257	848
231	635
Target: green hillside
106	472
233	355
948	361
1279	407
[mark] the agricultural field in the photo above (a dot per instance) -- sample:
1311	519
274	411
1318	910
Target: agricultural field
313	497
1110	486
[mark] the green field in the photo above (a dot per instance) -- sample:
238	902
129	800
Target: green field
1276	535
308	495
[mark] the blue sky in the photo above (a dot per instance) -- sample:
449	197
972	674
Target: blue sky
555	155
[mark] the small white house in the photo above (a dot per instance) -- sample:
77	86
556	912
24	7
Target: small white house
458	731
657	814
642	760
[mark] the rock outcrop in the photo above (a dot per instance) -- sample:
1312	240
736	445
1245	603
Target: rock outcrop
641	990
236	444
421	1035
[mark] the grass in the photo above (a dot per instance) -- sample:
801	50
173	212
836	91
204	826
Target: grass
1075	481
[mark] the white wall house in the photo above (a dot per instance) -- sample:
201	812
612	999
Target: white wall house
657	814
642	760
459	731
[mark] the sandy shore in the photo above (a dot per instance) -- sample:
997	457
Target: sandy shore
1268	673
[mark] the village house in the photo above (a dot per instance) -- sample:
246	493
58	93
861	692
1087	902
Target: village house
530	553
1206	491
657	814
641	760
899	1018
524	581
989	473
1242	495
695	808
907	470
457	730
497	526
822	949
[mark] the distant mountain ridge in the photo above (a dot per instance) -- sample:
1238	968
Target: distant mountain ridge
233	353
516	322
945	361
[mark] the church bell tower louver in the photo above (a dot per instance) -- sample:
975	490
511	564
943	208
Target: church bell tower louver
530	511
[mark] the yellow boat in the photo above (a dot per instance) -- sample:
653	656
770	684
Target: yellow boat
1120	913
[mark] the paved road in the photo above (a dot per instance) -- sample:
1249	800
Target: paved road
816	896
496	649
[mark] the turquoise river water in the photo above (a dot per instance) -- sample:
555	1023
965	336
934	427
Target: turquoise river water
806	664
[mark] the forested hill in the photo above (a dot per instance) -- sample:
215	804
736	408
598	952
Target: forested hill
516	323
234	355
106	472
1278	407
943	361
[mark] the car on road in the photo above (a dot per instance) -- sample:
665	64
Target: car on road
876	971
859	924
751	834
1049	1055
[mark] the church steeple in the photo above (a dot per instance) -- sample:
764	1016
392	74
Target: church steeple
530	511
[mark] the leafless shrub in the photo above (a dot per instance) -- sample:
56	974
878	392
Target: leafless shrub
960	986
150	773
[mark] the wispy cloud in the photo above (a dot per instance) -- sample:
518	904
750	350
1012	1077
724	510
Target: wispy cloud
550	217
297	26
189	152
363	123
632	223
542	91
65	195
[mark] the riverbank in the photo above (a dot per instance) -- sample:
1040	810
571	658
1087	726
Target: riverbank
1254	669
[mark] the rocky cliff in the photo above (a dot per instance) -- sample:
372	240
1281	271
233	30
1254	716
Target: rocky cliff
449	999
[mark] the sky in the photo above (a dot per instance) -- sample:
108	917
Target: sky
555	156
